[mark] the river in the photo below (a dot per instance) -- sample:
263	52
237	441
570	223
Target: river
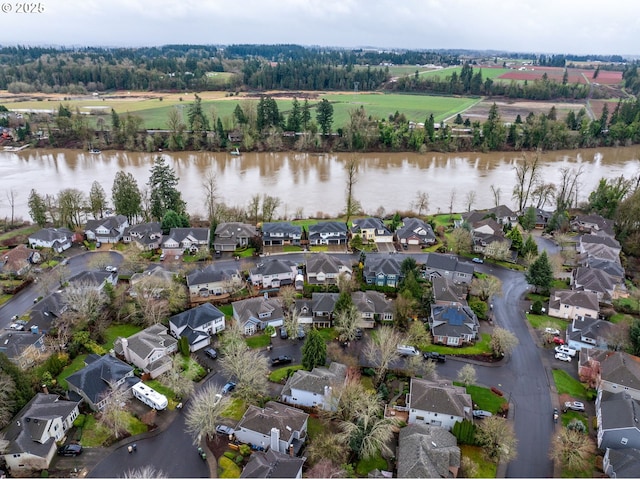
314	183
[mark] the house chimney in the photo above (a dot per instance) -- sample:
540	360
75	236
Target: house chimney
291	450
45	389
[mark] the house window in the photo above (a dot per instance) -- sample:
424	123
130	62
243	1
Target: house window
624	441
420	418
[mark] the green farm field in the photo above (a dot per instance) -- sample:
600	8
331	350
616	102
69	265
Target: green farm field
492	73
154	108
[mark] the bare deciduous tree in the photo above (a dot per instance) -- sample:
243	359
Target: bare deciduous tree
113	415
346	283
526	176
346	323
352	206
573	449
84	299
178	379
460	241
269	206
418	334
11	198
421	202
499	250
498	439
470	199
485	287
495	192
382	349
145	472
502	342
328	447
7	390
210	185
204	412
417	366
452	200
467	375
325	467
567	190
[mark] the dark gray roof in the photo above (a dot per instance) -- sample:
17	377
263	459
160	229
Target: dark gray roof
210	274
196	317
154	271
594	280
611	267
94	278
456	320
622	369
582	299
448	263
603	240
625	462
447	291
274	266
250	309
324	302
441	397
230	233
111	223
328	227
371	302
416	227
287	229
370	223
28	425
145	233
601	223
179	234
324	263
95	377
146	341
46	311
619	411
274	415
593	328
317	379
52	234
502	211
13	343
385	265
272	464
427	451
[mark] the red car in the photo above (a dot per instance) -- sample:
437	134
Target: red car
558	340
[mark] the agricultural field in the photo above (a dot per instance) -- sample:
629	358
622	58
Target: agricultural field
575	75
509	110
154	108
400	70
487	72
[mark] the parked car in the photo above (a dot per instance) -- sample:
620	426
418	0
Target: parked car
98	244
212	353
566	350
227	388
301	333
16	326
280	360
480	414
437	357
226	430
563	357
558	340
162	257
70	450
358	334
553	331
283	333
111	269
478	260
404	350
574	406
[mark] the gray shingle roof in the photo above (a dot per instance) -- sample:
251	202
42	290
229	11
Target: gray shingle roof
272	464
619	411
427	451
274	266
250	309
287	229
334	227
111	223
441	397
94	278
601	240
196	317
448	263
210	274
625	462
146	341
375	265
453	321
317	379
274	415
179	234
594	280
447	291
95	377
415	227
324	263
621	368
370	223
52	234
230	233
371	302
14	343
582	299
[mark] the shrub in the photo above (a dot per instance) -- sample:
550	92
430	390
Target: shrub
79	421
577	425
239	458
465	432
44	473
245	450
231	455
536	307
496	391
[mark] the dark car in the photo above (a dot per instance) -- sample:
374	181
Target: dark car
283	333
212	353
280	360
437	357
358	333
227	388
301	332
70	450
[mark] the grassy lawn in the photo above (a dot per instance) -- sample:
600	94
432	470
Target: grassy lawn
119	330
485	399
304	224
244	253
227	309
4	298
289	248
618	318
135	426
568	416
537	297
328	334
235	410
480	347
626	303
445	220
541	321
281	373
565	384
94	434
25	231
228	468
485	468
320	248
259	341
76	365
314	427
363	467
559	284
162	389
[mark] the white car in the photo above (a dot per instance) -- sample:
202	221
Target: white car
111	269
553	331
563	357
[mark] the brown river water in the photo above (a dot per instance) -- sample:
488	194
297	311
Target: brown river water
315	183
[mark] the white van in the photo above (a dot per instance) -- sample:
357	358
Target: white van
566	350
404	350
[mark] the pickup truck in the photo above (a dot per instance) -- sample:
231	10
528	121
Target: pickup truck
280	360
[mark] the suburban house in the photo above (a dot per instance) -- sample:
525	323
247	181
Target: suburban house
58	239
621	462
501	214
280	234
372	230
427	451
317	311
589	362
23	347
149	349
106	230
415	232
212	281
45	312
255	314
438	403
569	304
273	464
447	293
587	241
607	287
382	271
594	224
542	218
151	282
373	306
229	236
448	266
273	273
455	325
328	233
613	267
315	388
18	261
95	279
197	325
618	421
146	236
488	236
620	371
275	426
180	240
93	383
33	433
325	269
587	332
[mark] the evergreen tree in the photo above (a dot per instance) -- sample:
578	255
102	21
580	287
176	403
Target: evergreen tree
305	117
516	239
164	194
314	350
430	128
97	199
530	247
540	274
325	116
126	196
37	208
295	117
222	136
239	115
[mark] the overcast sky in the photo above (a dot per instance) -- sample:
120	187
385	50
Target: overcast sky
550	26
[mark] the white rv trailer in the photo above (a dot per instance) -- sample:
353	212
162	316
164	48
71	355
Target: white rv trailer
149	396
